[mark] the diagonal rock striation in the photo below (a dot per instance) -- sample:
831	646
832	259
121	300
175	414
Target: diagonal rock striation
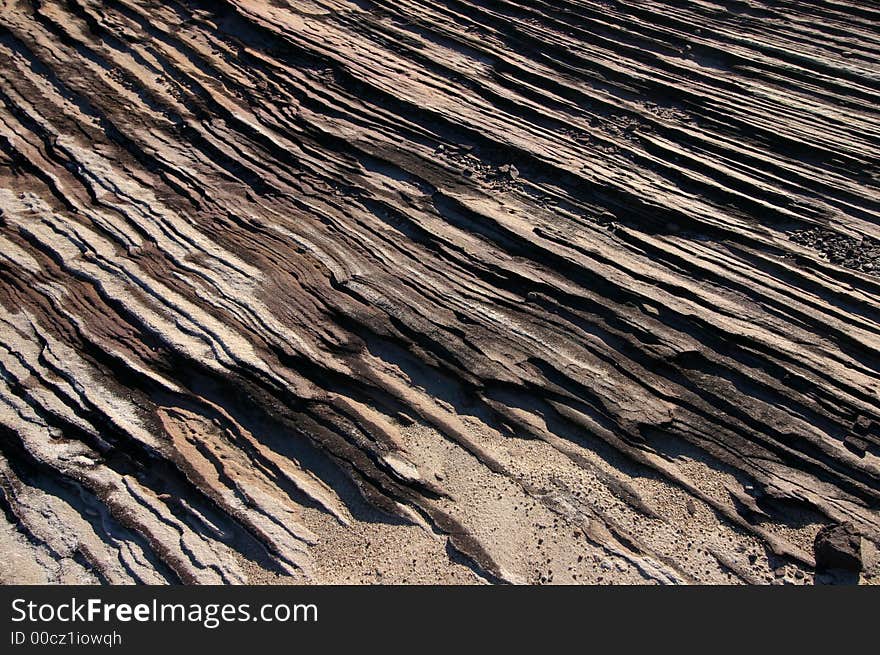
368	291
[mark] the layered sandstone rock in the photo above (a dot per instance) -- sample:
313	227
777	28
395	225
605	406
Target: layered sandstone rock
414	291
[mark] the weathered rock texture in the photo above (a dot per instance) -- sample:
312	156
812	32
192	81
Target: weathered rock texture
437	291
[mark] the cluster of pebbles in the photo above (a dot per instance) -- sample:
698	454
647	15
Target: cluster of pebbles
859	254
474	167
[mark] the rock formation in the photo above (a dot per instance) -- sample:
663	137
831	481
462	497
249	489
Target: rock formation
446	292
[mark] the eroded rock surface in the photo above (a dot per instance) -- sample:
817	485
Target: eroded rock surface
410	291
